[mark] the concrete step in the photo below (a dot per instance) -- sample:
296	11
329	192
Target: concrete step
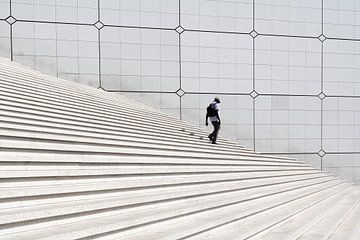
67	188
83	126
38	79
249	226
96	124
296	226
229	224
22	121
132	197
316	211
40	157
113	113
349	228
72	228
78	88
22	129
83	157
326	225
54	112
33	133
16	83
135	170
60	145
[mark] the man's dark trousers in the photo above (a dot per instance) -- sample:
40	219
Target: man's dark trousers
213	135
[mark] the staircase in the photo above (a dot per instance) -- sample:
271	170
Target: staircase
80	163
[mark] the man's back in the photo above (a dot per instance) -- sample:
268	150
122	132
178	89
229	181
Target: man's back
214	118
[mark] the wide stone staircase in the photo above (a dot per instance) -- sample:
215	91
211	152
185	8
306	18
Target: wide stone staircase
80	163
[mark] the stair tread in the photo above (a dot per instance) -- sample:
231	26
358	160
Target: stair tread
239	225
133	196
141	215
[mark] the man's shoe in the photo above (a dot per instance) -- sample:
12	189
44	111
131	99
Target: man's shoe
213	142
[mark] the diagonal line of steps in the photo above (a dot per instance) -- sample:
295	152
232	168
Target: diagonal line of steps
64	114
134	197
296	226
154	213
86	127
280	219
43	129
102	107
96	133
349	227
52	144
35	134
84	187
82	87
67	159
251	227
19	119
83	92
230	225
334	217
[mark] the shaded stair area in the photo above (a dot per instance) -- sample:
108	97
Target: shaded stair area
80	163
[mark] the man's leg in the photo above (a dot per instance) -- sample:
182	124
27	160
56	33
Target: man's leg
215	132
211	136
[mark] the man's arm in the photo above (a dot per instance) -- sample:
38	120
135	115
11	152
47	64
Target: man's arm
206	119
217	115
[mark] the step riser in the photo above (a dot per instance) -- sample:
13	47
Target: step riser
26	144
63	104
35	125
143	197
225	225
163	210
24	131
78	189
101	108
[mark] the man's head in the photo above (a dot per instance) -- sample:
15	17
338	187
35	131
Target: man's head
217	100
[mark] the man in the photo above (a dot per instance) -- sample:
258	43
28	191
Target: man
212	112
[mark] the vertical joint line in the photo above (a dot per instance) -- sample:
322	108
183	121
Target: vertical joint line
11	43
253	64
321	124
254	129
10	6
253	16
322	16
98	10
99	46
56	49
179	13
180	65
11	34
321	163
180	107
99	57
322	67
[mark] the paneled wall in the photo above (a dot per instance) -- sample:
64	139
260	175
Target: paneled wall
287	72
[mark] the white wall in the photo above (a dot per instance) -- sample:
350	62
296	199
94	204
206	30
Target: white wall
287	72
